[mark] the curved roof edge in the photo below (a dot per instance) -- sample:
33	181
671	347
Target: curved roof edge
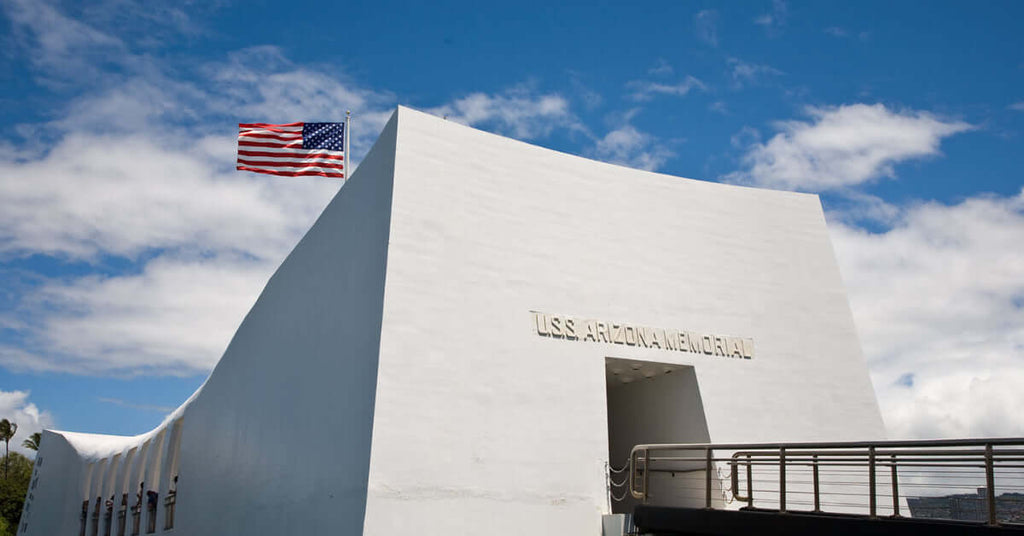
97	446
653	174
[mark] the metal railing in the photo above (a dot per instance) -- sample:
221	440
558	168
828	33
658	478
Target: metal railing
950	479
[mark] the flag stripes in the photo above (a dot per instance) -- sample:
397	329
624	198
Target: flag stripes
304	173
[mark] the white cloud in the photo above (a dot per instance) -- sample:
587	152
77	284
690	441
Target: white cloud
706	26
1017	106
15	407
518	112
844	146
661	68
745	136
261	82
939	303
857	208
842	33
176	318
957	405
644	90
631	147
774	20
56	44
746	74
126	194
147	100
147	23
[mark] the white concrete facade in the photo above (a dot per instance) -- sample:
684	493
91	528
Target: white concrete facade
392	378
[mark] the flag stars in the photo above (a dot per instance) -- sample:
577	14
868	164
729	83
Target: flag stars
330	136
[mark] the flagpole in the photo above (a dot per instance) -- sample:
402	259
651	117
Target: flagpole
348	136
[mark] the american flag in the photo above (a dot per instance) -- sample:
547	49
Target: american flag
292	149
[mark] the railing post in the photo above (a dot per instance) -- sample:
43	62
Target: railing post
632	473
872	506
647	472
734	475
895	488
817	491
750	483
782	480
990	485
707	479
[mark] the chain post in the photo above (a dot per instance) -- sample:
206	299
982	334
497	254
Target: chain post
872	499
750	483
990	485
647	472
707	479
782	480
895	488
817	487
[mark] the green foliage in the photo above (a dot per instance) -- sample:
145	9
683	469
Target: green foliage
5	529
7	431
32	443
13	490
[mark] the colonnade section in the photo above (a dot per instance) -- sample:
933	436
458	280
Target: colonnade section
122	493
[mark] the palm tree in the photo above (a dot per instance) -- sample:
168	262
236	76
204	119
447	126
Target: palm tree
7	431
32	443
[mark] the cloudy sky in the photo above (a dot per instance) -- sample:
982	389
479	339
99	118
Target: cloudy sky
130	249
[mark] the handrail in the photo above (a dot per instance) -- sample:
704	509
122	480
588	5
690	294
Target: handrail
826	476
969	442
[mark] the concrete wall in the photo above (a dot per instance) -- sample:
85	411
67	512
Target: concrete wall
53	490
479	419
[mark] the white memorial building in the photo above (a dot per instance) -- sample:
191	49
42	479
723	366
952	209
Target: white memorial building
471	333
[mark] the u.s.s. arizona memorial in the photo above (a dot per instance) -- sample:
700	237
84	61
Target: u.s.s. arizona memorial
471	334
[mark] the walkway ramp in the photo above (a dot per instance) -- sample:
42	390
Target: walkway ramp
968	486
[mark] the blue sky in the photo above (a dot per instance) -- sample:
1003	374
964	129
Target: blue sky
130	249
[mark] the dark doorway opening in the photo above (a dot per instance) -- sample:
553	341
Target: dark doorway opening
651	402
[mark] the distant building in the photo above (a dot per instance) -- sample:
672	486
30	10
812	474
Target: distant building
471	333
968	507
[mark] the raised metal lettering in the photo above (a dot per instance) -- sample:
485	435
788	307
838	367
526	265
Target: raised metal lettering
694	342
587	330
618	334
570	328
735	347
671	339
556	326
720	346
542	324
658	337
